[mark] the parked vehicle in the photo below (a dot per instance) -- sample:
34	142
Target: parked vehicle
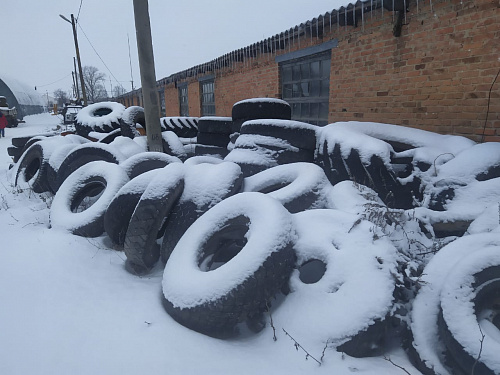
69	113
10	113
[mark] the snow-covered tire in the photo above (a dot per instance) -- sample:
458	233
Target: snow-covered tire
130	118
21	141
172	145
206	150
217	125
205	186
122	206
184	127
154	206
96	179
111	136
298	134
255	153
298	186
213	139
84	154
427	348
33	169
261	108
470	308
146	161
253	235
15	152
101	117
355	265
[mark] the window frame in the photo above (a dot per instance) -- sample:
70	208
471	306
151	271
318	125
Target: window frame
207	107
183	105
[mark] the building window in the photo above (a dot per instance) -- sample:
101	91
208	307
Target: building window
183	100
207	97
305	85
162	102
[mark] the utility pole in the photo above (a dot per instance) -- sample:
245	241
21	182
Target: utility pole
76	80
73	24
148	76
84	94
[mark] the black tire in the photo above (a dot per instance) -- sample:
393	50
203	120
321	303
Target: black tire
202	150
111	136
328	236
427	346
122	206
298	134
261	108
471	297
98	181
184	127
54	162
332	163
147	161
130	118
84	154
189	208
213	139
33	169
298	186
99	117
154	206
20	141
15	152
221	232
172	145
218	125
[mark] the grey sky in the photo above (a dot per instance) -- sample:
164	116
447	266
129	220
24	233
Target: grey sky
38	49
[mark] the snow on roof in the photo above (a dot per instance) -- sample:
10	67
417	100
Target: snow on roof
24	93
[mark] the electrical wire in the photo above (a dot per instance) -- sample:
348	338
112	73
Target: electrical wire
488	108
100	58
79	9
59	80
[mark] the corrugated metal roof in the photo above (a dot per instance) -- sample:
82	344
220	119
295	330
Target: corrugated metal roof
24	93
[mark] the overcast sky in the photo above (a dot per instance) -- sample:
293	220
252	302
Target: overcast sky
38	45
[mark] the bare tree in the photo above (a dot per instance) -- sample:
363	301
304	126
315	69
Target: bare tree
61	97
118	91
94	84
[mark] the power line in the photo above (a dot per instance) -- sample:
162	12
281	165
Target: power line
59	80
79	9
100	58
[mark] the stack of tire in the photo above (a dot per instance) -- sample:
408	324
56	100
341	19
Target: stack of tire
213	136
183	127
350	160
264	136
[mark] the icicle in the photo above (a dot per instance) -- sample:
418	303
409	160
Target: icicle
430	3
404	10
311	29
331	21
417	7
345	17
362	18
392	10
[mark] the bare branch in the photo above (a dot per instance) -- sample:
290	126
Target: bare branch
298	346
388	359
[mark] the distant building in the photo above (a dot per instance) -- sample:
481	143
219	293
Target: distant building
26	100
428	64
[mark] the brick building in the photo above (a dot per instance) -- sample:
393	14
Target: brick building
434	67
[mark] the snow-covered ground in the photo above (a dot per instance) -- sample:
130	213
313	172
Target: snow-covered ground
68	306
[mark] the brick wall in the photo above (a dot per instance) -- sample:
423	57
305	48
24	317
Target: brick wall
436	76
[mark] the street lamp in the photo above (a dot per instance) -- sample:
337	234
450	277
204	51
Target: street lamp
72	22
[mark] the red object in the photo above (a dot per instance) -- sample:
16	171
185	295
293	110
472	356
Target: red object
3	121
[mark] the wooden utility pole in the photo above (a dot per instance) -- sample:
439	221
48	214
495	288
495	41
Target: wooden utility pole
73	25
148	75
76	80
84	93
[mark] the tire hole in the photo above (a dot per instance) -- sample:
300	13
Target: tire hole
312	271
224	245
32	170
85	198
